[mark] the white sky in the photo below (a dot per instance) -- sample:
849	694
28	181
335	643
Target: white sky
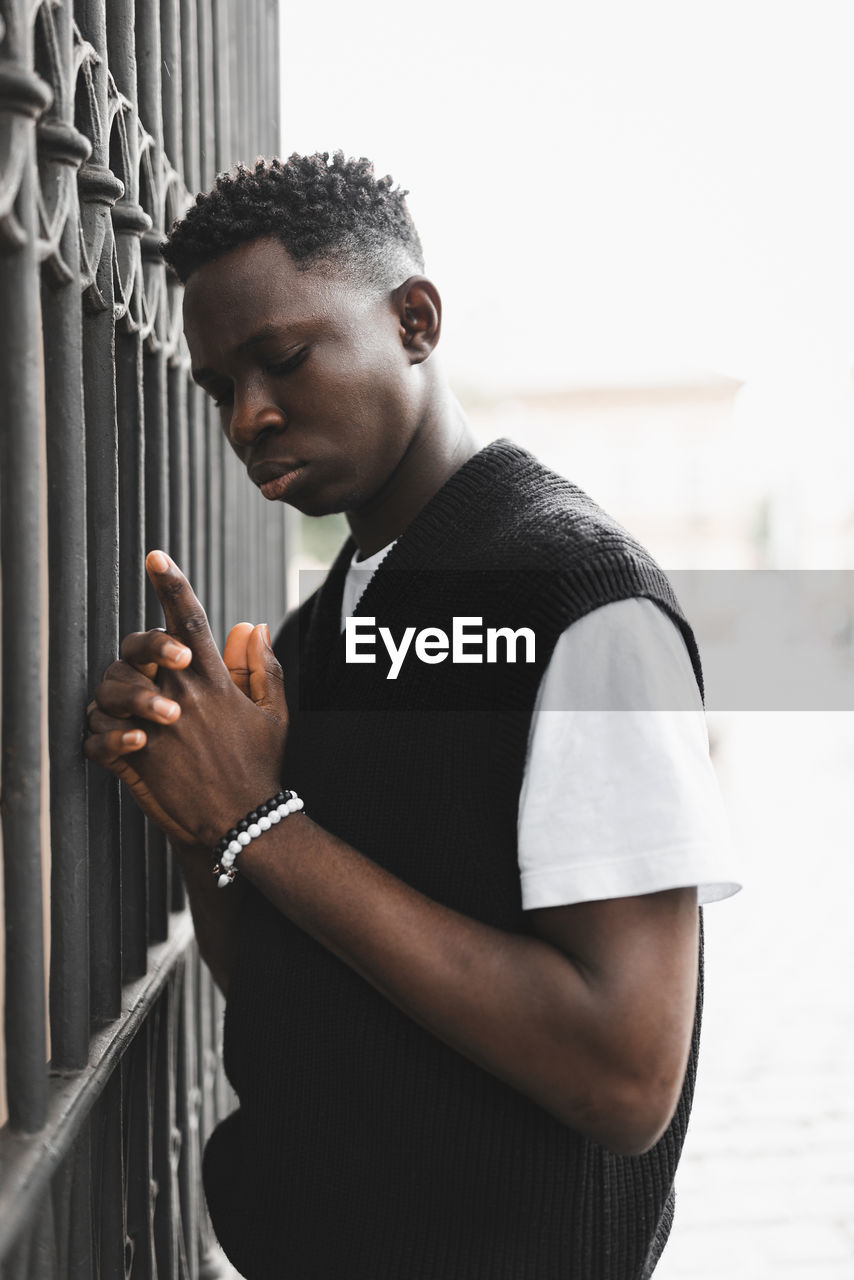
607	188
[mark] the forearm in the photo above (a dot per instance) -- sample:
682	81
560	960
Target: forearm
514	1004
213	911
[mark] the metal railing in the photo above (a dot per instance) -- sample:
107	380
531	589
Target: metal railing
111	112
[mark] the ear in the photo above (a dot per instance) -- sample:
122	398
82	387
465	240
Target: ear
419	311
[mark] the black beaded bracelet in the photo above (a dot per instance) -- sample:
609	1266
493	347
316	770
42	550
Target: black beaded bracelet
267	815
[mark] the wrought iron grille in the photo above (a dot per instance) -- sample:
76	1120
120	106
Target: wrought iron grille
111	112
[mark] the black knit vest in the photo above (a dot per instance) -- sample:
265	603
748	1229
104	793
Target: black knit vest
364	1148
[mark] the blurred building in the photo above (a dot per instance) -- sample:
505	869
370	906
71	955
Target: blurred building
661	456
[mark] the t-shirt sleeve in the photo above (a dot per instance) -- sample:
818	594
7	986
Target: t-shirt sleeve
619	795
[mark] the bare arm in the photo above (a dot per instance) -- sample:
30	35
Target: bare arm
213	912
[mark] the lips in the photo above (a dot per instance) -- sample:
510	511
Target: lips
274	477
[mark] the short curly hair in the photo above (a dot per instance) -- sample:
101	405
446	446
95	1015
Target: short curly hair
319	209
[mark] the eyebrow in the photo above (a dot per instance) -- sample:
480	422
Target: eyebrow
266	331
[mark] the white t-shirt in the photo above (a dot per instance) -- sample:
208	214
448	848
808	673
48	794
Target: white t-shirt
619	796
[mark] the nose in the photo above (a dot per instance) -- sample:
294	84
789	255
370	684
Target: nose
253	413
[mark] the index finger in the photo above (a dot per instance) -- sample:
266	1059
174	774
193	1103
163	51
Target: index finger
184	615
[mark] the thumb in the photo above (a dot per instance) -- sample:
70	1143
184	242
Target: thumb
234	655
266	679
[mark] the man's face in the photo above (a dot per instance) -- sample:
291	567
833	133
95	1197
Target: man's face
315	388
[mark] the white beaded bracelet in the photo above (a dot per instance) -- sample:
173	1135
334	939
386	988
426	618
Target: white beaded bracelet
267	815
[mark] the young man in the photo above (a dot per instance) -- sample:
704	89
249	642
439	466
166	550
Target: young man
463	990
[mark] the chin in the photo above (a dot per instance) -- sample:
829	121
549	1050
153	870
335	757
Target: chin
327	502
318	505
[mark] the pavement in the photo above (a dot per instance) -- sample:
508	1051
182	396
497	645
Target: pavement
765	1190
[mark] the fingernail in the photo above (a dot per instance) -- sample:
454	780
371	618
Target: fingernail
158	561
133	738
164	708
267	635
176	652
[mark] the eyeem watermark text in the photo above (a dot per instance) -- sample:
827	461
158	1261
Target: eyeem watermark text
468	643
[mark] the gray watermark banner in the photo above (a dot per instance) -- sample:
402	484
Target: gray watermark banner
772	639
769	640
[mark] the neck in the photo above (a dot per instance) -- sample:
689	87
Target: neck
439	447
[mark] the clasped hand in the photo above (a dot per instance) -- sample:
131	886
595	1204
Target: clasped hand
197	737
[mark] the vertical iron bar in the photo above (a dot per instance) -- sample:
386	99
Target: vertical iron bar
60	1199
274	142
233	586
67	668
235	72
80	1226
207	124
206	1032
240	96
136	1073
214	498
179	518
99	186
188	1096
275	95
149	74
132	618
225	156
165	1136
179	463
197	456
190	95
259	84
157	535
21	444
259	36
41	1251
275	570
171	86
109	1181
224	1097
130	222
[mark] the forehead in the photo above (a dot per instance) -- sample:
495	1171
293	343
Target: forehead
258	285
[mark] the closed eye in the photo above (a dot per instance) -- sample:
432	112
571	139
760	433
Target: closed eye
280	369
276	369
